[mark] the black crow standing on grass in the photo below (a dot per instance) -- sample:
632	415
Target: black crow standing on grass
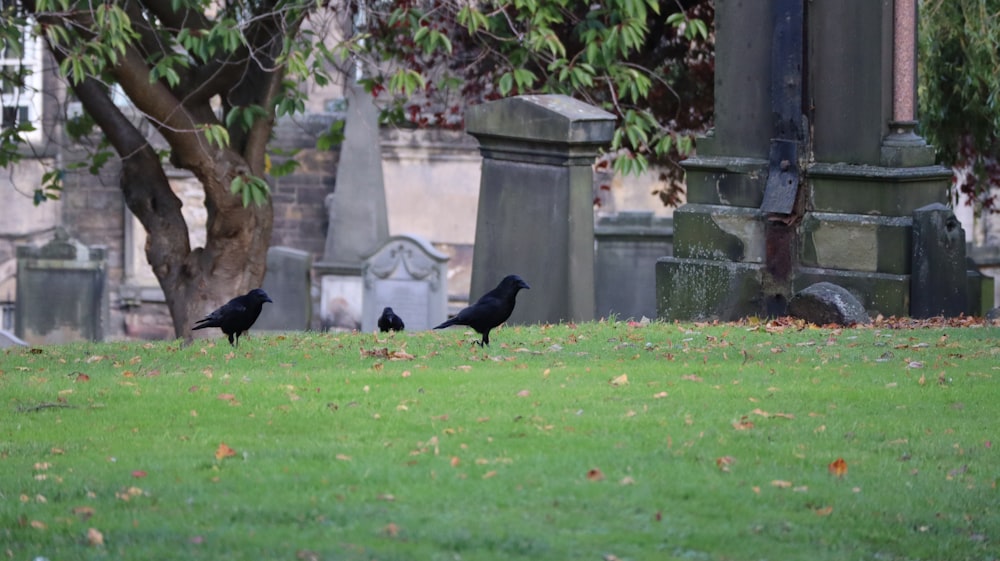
492	309
389	320
236	316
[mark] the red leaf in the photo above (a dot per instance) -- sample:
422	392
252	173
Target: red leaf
838	467
224	451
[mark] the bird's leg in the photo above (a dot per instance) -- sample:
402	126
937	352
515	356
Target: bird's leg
231	344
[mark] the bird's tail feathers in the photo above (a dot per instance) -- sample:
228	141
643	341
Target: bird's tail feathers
448	323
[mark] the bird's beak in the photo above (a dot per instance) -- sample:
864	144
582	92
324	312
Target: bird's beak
268	299
525	285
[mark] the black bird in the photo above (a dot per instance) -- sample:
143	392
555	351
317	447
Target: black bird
492	309
389	320
236	316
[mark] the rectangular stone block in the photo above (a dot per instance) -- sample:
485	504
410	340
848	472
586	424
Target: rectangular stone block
722	180
719	233
856	242
628	245
288	281
880	293
694	289
856	189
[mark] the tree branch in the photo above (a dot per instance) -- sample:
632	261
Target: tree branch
176	20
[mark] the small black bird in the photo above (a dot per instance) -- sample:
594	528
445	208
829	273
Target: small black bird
492	309
236	316
389	320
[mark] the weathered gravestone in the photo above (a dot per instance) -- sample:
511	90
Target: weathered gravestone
628	245
358	218
61	292
288	282
536	202
408	275
939	282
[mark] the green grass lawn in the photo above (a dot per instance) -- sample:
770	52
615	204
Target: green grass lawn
591	441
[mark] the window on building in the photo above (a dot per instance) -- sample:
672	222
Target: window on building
20	75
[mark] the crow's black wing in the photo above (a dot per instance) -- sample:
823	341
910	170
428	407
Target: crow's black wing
226	315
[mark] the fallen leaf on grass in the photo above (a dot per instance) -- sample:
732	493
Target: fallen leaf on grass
81	377
619	380
128	494
767	415
660	395
781	484
94	537
84	512
595	475
391	530
139	473
838	467
724	462
825	511
224	451
385	353
743	424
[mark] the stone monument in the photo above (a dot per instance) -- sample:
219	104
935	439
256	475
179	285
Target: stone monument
813	170
358	219
536	214
408	275
62	295
288	282
628	244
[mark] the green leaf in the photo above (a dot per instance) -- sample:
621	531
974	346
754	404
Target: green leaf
506	83
406	82
524	78
663	145
334	136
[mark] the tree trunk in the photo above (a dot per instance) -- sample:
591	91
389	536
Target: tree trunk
196	281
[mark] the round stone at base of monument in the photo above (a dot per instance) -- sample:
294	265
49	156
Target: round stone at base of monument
826	303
